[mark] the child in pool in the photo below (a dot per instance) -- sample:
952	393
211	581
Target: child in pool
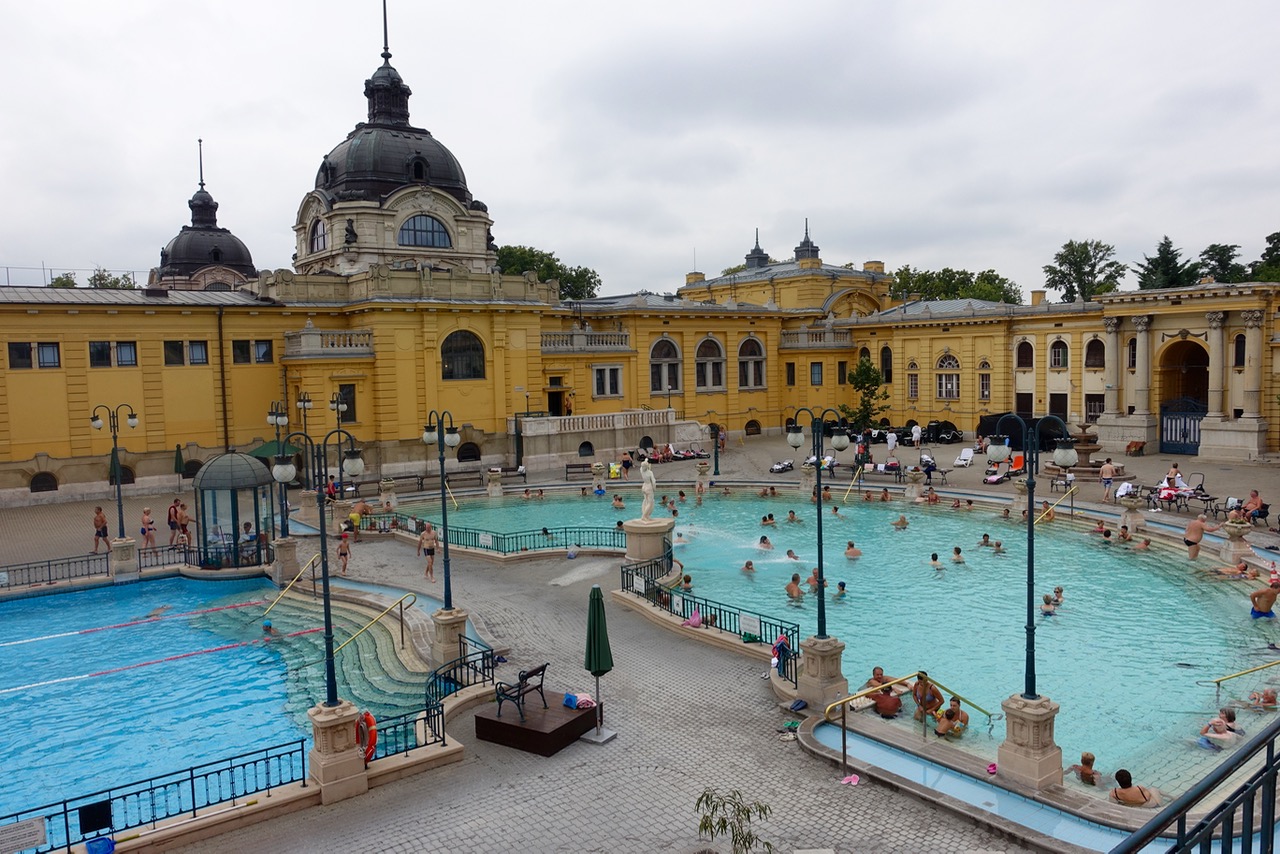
1085	770
1048	609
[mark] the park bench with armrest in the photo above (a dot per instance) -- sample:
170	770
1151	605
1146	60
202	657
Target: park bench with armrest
574	471
455	478
528	682
514	471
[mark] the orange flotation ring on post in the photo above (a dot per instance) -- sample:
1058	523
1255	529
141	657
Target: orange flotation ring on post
367	734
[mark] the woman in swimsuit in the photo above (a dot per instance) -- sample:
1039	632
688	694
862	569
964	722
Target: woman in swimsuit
928	698
1130	795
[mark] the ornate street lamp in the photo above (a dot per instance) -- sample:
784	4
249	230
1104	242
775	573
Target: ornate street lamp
304	405
435	433
839	441
278	417
113	419
338	406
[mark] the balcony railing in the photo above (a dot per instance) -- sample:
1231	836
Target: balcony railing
809	339
579	341
323	343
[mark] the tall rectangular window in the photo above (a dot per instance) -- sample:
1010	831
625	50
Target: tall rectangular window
842	373
99	354
948	386
262	352
174	353
1094	405
127	354
913	386
19	355
199	352
984	386
347	394
48	354
241	352
608	381
815	373
791	373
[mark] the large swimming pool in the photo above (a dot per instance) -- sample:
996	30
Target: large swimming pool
116	684
1126	655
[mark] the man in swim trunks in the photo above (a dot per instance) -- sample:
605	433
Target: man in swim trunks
928	698
427	545
1191	537
1264	602
100	530
1106	475
793	588
888	704
173	520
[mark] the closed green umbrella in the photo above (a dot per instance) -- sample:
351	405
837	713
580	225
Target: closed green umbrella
599	658
179	466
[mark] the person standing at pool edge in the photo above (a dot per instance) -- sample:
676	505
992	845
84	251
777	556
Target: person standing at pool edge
1191	537
100	530
344	552
427	545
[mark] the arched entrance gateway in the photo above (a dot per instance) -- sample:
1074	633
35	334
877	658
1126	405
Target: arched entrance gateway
1183	392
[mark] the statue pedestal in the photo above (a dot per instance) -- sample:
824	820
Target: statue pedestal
387	495
807	479
450	626
1028	754
645	538
1133	515
597	477
124	557
307	513
337	763
914	490
286	565
1235	549
821	679
493	483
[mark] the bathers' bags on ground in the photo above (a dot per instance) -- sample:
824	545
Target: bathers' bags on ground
747	637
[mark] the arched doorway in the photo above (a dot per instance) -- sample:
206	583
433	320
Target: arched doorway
1184	396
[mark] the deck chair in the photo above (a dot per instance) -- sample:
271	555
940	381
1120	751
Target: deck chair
965	458
1263	512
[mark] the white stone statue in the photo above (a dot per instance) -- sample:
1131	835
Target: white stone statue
647	490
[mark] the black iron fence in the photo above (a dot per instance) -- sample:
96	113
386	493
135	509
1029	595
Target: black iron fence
54	570
479	539
401	734
147	802
473	666
1232	824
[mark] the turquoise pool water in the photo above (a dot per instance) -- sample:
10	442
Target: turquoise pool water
122	683
1137	632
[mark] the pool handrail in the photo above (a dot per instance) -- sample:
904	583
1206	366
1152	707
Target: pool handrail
1222	679
305	567
1056	503
412	597
865	692
855	481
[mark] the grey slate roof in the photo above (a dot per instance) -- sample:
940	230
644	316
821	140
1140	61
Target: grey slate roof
112	296
789	269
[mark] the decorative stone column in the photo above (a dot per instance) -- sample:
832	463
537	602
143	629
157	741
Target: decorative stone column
286	565
806	480
124	557
821	680
1020	491
493	483
387	494
1028	754
450	625
1142	368
913	490
597	477
1111	367
1216	363
307	513
1252	362
1235	549
337	762
1132	515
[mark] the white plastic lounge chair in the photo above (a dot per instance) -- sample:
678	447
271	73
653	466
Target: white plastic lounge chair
965	458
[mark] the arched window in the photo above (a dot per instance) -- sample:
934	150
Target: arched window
1095	354
1132	358
419	170
468	452
751	428
126	476
886	364
948	377
44	482
1239	360
750	364
586	450
1058	354
984	380
319	236
664	366
913	380
189	468
423	230
1026	355
864	353
217	286
709	365
462	357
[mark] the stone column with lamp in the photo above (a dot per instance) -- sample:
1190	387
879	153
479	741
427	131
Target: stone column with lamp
450	623
493	483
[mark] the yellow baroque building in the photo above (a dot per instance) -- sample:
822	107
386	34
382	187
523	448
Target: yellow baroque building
395	307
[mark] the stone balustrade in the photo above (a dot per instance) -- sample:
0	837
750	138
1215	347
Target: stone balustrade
815	339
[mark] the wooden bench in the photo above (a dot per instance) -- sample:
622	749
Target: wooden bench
523	687
573	471
515	471
475	476
416	480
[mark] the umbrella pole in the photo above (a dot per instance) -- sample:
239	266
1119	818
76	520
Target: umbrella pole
599	708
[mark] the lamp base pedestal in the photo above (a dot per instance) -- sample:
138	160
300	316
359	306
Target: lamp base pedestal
286	565
821	680
1028	754
336	761
451	624
124	557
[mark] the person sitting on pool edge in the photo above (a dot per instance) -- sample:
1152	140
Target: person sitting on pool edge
928	698
1130	795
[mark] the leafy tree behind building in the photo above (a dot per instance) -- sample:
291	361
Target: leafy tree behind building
575	282
1166	269
948	283
1084	269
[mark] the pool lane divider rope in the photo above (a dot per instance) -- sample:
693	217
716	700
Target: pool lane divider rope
165	660
142	622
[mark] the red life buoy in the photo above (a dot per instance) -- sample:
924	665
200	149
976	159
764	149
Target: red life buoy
367	734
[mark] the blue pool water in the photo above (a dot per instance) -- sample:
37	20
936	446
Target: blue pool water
1123	657
106	695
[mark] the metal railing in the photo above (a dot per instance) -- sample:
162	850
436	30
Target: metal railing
168	556
1230	825
641	579
182	793
401	734
478	539
50	571
473	666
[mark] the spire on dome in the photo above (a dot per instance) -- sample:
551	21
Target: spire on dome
387	94
204	210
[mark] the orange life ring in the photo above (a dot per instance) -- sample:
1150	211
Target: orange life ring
367	734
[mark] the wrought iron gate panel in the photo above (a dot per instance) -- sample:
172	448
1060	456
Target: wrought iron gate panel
1180	426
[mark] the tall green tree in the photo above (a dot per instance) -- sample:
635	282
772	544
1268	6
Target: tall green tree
101	278
1166	269
866	380
1084	269
1219	260
65	280
949	283
575	282
1267	268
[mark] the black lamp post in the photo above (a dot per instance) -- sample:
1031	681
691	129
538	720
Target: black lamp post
435	433
113	419
278	417
304	405
1064	456
839	441
284	472
338	406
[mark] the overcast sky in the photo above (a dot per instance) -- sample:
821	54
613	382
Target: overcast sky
634	138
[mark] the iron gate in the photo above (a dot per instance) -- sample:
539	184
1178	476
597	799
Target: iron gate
1180	426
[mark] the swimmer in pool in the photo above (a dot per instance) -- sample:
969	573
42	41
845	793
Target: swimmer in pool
985	541
617	502
1005	513
928	698
851	551
1144	545
1085	770
766	521
1264	602
884	494
748	567
764	543
840	591
1264	700
998	548
791	554
793	587
1048	609
1058	595
792	517
269	630
156	612
956	557
901	523
934	562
